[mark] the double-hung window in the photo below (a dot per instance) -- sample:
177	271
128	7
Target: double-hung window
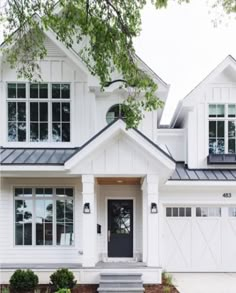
38	112
222	128
44	216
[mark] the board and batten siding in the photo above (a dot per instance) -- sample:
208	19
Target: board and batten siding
197	121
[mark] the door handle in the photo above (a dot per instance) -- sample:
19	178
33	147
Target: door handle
109	235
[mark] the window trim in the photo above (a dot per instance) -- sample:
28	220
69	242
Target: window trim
33	198
225	119
49	100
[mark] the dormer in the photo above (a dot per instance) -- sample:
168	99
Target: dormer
208	115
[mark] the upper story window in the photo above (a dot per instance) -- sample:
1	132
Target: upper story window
222	128
115	112
38	112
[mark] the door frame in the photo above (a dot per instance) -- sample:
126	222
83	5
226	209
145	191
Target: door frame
115	259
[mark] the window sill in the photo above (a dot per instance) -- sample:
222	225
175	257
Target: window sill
221	159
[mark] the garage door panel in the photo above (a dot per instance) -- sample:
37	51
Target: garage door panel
203	241
229	244
206	247
178	246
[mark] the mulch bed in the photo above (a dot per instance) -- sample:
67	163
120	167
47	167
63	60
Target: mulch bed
93	289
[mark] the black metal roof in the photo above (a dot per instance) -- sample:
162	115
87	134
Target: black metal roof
35	156
183	173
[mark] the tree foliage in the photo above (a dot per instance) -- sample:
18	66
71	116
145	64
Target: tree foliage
104	31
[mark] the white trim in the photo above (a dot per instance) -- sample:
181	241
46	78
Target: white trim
120	127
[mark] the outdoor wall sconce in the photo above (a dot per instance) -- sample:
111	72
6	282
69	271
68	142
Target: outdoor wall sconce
154	208
87	208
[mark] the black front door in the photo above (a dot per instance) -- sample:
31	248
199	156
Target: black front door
120	228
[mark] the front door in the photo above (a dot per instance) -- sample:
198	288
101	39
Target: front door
120	228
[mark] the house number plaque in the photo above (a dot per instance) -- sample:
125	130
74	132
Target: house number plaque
227	195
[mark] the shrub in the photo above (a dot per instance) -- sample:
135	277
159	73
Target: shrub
62	279
63	291
167	279
23	281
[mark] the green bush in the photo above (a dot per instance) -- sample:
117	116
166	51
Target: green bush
62	279
24	281
64	291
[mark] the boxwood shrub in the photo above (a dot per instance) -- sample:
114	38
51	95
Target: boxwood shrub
23	281
62	279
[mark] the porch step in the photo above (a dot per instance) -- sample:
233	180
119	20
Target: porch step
121	282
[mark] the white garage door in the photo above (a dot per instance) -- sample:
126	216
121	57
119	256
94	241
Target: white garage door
199	239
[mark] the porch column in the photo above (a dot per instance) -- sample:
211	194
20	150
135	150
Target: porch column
150	221
89	221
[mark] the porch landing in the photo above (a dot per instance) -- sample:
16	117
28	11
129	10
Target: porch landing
84	275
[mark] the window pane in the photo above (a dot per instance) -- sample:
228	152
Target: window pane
21	131
28	192
168	212
43	111
34	111
48	210
48	192
28	234
11	90
21	112
12	134
56	112
175	212
60	192
65	131
20	90
188	212
231	111
69	235
60	210
34	132
198	212
19	234
39	233
220	146
65	112
220	110
212	110
11	111
231	146
48	234
69	191
60	234
43	128
39	192
56	131
181	212
231	129
19	192
212	128
34	91
212	146
28	210
69	211
65	91
56	91
232	212
43	91
220	128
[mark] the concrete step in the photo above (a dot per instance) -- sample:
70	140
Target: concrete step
120	276
114	290
121	282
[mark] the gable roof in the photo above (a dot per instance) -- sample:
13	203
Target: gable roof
60	156
229	60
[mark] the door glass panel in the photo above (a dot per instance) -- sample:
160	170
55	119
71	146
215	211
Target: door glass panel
121	218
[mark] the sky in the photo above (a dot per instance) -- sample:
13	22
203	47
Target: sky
182	45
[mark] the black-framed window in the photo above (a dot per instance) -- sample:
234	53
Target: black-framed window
222	128
39	112
44	216
116	111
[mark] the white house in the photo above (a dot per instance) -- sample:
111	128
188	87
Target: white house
78	190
